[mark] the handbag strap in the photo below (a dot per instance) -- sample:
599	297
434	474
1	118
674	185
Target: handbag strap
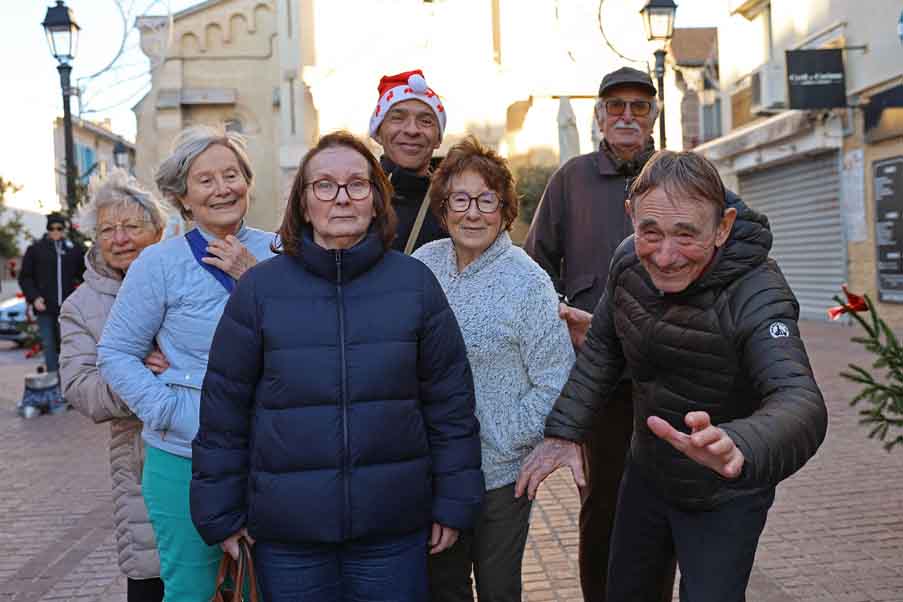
418	223
237	571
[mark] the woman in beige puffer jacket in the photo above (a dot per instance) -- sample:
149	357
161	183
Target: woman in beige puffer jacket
127	220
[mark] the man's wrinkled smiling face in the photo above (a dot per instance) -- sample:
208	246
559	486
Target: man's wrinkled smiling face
409	134
676	238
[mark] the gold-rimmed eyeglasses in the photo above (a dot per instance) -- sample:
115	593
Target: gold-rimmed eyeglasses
327	190
132	228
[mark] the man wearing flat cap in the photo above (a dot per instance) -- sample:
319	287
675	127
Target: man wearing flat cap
579	223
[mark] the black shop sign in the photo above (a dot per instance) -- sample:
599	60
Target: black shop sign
815	79
888	182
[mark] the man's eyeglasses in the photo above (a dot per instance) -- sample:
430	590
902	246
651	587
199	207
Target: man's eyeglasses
55	228
131	229
638	108
459	202
328	190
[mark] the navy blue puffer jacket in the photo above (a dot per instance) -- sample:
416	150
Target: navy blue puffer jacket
338	403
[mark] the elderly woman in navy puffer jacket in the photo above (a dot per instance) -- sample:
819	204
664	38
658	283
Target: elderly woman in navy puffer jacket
337	415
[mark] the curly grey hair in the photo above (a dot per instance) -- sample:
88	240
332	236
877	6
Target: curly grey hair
172	175
119	189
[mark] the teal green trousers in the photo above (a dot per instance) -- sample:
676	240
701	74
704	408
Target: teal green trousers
188	566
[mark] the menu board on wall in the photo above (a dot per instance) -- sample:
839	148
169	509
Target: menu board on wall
889	228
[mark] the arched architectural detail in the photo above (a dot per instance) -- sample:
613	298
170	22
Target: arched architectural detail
214	36
190	44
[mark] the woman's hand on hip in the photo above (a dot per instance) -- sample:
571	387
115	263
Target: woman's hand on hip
442	538
230	546
230	256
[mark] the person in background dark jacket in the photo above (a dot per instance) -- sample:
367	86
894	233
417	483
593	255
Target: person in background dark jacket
337	421
725	402
51	269
408	123
578	225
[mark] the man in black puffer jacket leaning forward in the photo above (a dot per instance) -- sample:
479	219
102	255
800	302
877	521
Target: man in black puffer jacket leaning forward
725	403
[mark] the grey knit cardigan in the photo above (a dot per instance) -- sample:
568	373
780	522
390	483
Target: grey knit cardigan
518	347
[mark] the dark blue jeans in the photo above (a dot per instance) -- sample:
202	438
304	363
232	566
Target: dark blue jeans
715	549
389	569
49	328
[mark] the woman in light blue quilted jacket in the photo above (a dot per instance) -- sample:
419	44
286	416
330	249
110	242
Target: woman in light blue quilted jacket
519	351
172	298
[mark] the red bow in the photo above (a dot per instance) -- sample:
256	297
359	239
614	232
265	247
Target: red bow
855	303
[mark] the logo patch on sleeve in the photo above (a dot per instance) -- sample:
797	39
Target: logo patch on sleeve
779	329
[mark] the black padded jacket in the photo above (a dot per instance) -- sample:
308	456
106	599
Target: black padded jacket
729	345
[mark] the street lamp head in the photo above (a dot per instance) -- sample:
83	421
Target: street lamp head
658	18
62	32
121	155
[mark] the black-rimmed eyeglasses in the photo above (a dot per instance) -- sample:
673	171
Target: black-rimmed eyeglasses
327	190
459	202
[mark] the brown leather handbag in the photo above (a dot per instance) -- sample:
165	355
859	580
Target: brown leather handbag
236	577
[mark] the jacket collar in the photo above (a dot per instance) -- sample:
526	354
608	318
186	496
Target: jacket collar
354	261
496	249
241	235
406	183
611	165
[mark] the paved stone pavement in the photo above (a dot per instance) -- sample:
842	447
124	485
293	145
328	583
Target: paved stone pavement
835	533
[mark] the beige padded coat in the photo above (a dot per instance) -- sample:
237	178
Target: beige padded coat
82	319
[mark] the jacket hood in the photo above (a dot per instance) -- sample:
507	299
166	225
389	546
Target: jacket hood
100	276
747	246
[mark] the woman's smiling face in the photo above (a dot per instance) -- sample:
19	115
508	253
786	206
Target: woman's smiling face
217	194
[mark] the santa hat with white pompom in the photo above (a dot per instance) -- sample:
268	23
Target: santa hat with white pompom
405	86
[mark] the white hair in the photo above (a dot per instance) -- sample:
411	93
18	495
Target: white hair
172	175
119	189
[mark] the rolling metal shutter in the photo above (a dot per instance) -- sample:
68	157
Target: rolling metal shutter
802	202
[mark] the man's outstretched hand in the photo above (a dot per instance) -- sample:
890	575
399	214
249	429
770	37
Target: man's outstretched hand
707	444
549	456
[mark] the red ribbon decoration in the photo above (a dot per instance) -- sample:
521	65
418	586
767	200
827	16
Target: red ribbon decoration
855	303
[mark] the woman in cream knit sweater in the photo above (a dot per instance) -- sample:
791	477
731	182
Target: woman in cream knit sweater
519	351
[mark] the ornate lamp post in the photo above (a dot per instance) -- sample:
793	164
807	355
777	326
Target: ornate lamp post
658	18
62	37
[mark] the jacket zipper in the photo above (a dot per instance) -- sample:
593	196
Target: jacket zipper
346	455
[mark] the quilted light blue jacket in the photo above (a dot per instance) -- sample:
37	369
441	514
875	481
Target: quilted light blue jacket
167	298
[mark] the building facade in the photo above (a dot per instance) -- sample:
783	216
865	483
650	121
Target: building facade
826	175
93	146
284	71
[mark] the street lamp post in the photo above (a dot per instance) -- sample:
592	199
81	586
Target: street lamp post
62	37
658	18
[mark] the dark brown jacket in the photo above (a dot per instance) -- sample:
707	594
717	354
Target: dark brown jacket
578	225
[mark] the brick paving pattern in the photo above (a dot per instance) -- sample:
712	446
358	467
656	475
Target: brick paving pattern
835	533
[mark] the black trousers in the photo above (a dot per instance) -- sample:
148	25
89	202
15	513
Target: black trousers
144	590
715	549
495	550
604	455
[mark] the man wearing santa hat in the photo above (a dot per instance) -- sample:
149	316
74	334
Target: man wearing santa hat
408	123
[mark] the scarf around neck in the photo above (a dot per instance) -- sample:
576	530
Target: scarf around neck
629	167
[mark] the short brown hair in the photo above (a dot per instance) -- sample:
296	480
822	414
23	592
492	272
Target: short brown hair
682	174
470	155
292	223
